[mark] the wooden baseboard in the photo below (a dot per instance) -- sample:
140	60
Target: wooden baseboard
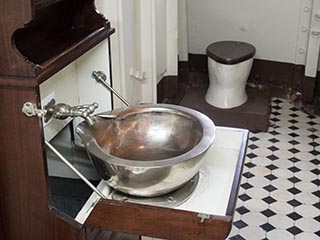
167	88
308	89
281	79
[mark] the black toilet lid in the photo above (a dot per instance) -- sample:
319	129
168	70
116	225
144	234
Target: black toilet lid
230	52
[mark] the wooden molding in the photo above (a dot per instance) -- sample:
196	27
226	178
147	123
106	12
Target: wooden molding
158	222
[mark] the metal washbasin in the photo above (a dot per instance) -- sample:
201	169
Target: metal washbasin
147	150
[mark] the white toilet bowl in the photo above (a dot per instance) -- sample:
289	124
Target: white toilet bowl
229	65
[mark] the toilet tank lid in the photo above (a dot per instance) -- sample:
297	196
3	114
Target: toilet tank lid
230	52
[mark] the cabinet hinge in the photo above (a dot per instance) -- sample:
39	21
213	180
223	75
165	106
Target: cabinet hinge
203	216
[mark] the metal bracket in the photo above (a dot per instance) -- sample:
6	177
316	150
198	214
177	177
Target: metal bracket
204	216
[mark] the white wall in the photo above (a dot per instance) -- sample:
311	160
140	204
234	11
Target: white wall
273	26
74	85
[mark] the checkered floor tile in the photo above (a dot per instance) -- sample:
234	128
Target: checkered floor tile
279	196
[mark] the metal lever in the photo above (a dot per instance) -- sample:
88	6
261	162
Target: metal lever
101	77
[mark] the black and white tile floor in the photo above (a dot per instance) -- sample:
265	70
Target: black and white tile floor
279	196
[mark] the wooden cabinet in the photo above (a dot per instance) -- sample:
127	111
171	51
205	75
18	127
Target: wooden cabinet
37	39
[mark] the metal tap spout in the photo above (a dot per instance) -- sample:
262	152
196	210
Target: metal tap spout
62	111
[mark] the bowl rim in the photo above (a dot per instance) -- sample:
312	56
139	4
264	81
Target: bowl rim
203	145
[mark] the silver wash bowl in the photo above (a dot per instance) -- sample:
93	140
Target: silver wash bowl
147	150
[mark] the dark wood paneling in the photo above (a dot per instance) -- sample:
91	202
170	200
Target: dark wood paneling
98	234
318	85
157	222
167	88
40	4
308	89
18	82
23	200
198	62
11	62
280	79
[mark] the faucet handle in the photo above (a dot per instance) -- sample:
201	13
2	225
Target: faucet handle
62	111
83	110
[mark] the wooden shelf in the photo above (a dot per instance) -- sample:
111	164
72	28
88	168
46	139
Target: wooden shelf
63	49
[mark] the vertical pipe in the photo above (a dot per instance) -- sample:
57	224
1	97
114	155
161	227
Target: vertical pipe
314	41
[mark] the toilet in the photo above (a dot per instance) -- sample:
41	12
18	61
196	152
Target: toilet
229	65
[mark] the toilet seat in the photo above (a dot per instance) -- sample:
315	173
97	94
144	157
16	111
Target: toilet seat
230	52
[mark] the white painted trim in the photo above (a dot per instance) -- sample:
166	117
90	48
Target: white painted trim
112	9
303	29
314	42
183	44
172	37
148	50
